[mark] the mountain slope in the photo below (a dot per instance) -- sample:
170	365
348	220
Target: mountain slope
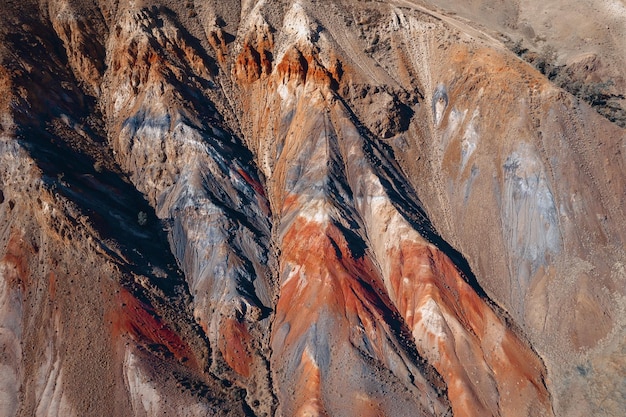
294	208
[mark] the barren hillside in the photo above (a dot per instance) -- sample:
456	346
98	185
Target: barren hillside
302	208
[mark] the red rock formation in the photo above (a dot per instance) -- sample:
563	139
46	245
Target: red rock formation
139	321
299	208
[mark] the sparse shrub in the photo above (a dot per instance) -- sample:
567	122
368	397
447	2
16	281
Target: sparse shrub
142	218
546	61
518	48
596	94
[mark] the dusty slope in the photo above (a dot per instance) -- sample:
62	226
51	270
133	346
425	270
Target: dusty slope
261	209
574	29
582	41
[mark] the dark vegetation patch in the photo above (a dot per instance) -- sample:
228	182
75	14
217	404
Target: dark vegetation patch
599	94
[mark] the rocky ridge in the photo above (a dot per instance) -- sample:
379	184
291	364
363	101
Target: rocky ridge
300	208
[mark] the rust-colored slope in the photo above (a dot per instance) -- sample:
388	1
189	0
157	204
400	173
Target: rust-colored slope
463	334
229	208
322	161
200	179
331	335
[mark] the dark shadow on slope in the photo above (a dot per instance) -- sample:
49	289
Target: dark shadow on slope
228	154
405	200
402	333
345	230
194	42
56	127
367	288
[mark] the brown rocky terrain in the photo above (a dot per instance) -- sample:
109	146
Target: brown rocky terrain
301	208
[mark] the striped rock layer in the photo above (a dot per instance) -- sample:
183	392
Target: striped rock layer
299	208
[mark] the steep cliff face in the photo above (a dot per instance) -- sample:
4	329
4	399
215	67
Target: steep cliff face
295	209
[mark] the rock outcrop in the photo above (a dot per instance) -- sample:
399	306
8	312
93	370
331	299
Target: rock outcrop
300	208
